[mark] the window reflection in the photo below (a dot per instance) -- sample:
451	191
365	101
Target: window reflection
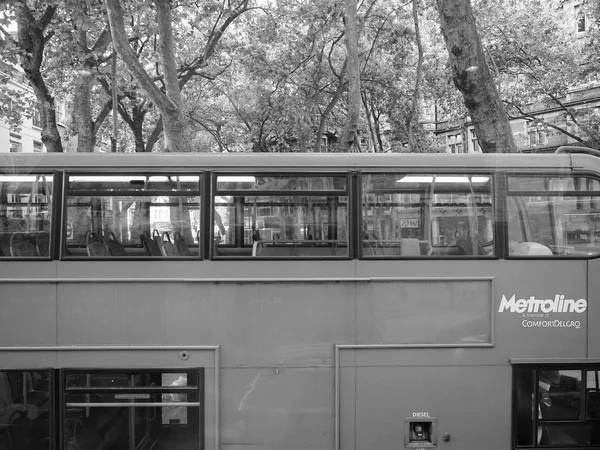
280	216
133	216
554	216
25	213
132	410
415	215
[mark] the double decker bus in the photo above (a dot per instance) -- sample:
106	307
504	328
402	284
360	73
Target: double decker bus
299	301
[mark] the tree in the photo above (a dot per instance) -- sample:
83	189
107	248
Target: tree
34	32
350	135
168	102
472	77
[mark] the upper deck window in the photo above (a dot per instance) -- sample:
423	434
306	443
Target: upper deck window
285	216
25	213
418	215
551	215
133	215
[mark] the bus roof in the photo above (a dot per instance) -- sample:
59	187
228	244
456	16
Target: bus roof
293	161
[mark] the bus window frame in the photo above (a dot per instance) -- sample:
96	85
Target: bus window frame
536	421
574	174
494	194
62	391
52	397
67	192
215	192
53	214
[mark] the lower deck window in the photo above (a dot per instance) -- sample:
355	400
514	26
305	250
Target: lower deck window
25	409
557	406
133	409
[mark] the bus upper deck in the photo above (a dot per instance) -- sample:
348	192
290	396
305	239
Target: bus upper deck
332	302
298	206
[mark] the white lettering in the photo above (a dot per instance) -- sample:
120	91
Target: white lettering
420	414
558	304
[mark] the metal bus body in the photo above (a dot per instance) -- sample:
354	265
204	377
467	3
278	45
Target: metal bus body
299	301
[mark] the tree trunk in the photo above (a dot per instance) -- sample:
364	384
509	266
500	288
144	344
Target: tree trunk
31	41
168	104
172	120
82	111
350	135
472	77
413	118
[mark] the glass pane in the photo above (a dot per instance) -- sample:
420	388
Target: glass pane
25	212
132	410
556	184
134	183
152	216
102	380
559	394
565	224
245	182
571	434
427	215
524	385
593	394
281	226
25	410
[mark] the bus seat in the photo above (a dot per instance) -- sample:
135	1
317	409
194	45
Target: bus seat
42	243
528	249
410	247
151	247
469	245
182	247
5	244
256	248
113	246
166	245
93	245
20	246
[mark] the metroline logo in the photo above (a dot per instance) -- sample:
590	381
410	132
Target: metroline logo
558	304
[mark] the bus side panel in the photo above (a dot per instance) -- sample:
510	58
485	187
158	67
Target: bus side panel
425	311
555	329
275	408
469	404
256	324
594	308
27	314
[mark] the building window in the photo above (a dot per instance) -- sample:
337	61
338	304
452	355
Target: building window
38	146
581	20
36	118
60	112
16	147
455	143
474	141
537	134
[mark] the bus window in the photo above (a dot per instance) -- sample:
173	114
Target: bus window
25	212
280	216
553	216
419	215
132	216
555	406
133	409
25	408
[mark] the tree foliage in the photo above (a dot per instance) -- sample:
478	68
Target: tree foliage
274	75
